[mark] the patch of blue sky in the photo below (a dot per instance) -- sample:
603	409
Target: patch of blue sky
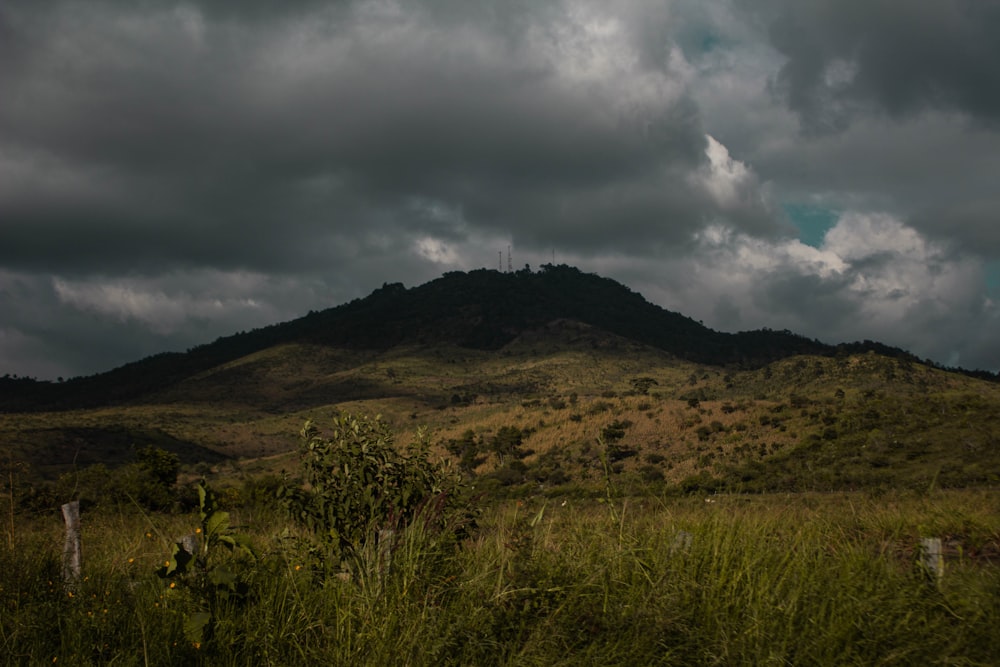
699	43
993	278
812	221
709	41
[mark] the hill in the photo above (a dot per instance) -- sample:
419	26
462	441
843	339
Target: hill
479	310
592	379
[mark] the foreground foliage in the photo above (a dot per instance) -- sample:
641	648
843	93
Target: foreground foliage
796	579
360	485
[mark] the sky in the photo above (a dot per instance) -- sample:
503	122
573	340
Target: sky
172	172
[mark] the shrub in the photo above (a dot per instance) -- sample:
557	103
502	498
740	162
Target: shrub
507	443
597	407
700	483
468	449
618	452
149	482
651	473
359	483
200	585
511	474
641	385
615	431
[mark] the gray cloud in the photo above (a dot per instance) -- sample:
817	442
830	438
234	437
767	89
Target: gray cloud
171	135
898	56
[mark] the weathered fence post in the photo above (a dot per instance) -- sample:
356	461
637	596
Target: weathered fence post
385	537
190	543
682	542
72	558
932	558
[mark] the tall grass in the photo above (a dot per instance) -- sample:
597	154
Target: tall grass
803	580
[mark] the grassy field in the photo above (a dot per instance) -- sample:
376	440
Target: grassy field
803	579
654	511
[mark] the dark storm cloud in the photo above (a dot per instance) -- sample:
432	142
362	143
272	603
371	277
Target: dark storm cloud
897	106
171	172
903	57
819	303
218	137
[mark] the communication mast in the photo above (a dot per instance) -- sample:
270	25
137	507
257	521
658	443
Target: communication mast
510	264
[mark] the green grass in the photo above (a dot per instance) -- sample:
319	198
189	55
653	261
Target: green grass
784	579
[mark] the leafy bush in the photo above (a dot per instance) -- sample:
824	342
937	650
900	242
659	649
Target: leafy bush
651	473
149	482
615	431
507	443
511	474
198	583
469	450
700	483
641	385
358	483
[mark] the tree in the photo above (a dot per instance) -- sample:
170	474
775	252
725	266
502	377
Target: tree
467	449
507	442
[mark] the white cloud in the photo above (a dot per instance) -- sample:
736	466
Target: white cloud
859	236
166	304
436	251
725	179
874	277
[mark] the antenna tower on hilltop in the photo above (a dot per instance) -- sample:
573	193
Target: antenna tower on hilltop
510	264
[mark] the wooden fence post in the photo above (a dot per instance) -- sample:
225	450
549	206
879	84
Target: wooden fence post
190	544
932	558
682	542
385	538
72	558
